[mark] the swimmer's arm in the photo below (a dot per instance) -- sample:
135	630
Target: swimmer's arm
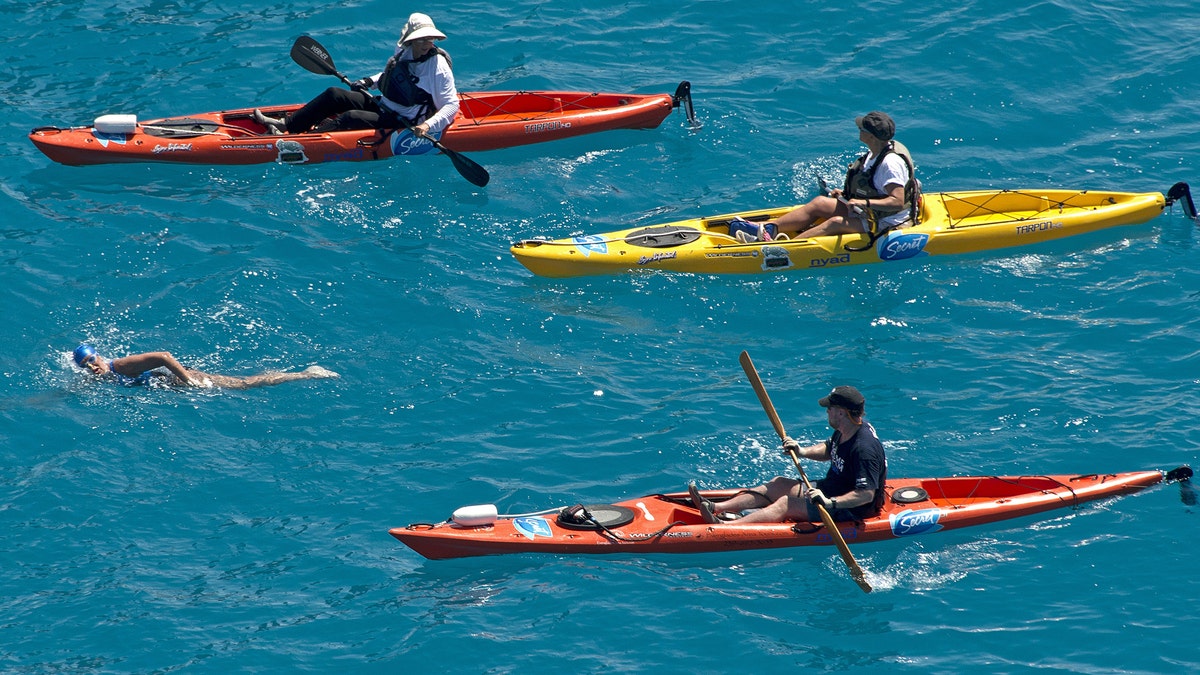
132	366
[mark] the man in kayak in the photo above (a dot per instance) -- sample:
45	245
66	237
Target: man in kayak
852	490
879	192
416	85
143	369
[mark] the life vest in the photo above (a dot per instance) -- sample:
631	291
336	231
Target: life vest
399	85
860	183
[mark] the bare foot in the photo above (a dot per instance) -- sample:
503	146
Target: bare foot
319	372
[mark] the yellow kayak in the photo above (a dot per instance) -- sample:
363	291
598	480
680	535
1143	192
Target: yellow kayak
949	223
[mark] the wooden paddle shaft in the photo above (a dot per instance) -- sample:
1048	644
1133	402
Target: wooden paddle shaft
856	572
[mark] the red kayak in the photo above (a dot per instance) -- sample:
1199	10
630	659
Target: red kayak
669	523
486	121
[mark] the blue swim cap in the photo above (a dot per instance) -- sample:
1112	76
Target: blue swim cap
82	353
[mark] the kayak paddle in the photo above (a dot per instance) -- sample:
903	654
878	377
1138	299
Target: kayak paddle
314	58
856	572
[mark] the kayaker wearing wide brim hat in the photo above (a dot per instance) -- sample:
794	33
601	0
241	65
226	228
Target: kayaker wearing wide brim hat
879	191
416	85
851	490
419	27
144	369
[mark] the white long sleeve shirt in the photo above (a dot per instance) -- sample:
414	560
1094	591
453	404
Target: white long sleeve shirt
434	76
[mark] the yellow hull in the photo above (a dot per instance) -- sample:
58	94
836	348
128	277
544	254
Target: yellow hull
950	223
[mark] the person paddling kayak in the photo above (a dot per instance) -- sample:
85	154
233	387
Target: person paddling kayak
852	490
880	192
416	85
143	369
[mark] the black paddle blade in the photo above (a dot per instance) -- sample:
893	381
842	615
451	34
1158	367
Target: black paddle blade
467	167
312	56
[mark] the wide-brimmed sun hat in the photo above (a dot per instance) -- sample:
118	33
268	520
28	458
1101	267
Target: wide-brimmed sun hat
419	26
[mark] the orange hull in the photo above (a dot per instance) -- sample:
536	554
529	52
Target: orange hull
669	523
486	121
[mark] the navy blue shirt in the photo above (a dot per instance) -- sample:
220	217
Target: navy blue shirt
856	463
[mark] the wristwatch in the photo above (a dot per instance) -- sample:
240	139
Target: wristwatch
833	505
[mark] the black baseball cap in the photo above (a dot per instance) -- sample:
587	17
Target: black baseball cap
846	397
877	124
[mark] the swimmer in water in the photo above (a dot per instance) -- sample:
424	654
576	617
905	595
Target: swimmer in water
142	369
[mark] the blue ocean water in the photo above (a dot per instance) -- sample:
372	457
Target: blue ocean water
205	531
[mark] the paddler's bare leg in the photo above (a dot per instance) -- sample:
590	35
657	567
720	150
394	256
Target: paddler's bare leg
756	498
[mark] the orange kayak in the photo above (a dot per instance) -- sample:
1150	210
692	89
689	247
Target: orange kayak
669	523
486	121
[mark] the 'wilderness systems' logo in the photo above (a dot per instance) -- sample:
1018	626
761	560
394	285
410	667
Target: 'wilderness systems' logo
912	523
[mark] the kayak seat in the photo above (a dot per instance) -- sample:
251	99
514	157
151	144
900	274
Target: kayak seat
924	212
